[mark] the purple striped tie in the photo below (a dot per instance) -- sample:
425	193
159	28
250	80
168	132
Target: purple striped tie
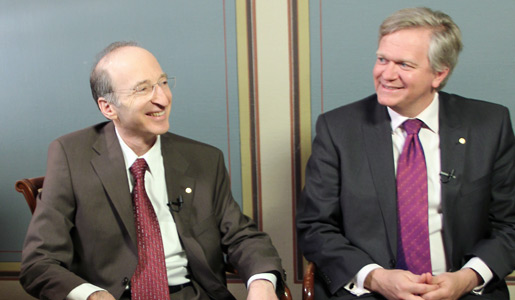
149	280
413	240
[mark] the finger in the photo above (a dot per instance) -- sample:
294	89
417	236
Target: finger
429	278
413	277
422	288
436	294
425	278
413	297
438	279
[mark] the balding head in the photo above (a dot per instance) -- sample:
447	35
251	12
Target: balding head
99	80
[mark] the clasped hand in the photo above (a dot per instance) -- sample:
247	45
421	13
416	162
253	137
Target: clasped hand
400	284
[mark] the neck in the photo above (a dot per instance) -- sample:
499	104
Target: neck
415	110
139	145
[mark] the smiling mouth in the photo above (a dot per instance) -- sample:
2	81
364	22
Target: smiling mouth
157	114
390	87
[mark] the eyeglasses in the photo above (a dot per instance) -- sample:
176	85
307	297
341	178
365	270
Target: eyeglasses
146	88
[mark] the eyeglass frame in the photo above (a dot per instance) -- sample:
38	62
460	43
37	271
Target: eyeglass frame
160	82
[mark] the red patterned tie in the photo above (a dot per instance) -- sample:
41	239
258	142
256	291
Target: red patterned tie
413	241
150	280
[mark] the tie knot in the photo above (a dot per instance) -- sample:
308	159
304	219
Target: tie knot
412	126
138	168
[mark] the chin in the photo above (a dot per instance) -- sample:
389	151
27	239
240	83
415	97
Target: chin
158	130
386	101
163	131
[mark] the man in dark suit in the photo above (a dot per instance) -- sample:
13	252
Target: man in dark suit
83	240
349	218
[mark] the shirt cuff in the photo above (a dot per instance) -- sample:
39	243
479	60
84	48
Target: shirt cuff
478	265
83	291
266	276
357	285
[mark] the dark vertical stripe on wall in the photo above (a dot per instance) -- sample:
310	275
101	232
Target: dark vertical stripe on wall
253	114
296	153
227	93
321	62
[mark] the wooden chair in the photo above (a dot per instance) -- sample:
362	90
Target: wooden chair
308	283
31	187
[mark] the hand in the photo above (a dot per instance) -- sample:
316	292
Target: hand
452	286
261	290
399	284
101	295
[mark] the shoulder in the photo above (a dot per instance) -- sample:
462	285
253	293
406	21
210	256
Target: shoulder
355	109
94	130
350	117
86	136
480	115
188	147
200	159
469	106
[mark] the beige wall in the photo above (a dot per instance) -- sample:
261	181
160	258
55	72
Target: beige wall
270	68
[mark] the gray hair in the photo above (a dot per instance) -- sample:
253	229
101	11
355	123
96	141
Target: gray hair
445	44
99	79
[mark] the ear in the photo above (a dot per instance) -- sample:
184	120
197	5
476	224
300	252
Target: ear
439	77
108	109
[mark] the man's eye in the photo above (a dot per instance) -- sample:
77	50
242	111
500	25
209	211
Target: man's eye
141	89
163	82
381	60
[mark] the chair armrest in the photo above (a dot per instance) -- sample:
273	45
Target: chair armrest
308	284
30	188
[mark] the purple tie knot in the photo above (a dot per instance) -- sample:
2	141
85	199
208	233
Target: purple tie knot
412	126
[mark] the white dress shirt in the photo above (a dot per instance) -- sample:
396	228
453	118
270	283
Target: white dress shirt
430	139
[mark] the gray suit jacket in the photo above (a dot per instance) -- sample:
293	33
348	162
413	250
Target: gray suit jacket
83	227
347	215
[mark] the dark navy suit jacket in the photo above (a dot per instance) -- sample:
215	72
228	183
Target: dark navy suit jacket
347	218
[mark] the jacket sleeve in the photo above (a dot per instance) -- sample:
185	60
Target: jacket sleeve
249	250
48	249
319	215
497	250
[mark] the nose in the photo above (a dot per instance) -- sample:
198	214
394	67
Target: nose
161	95
389	71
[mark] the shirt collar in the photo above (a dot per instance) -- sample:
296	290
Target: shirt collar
429	116
151	157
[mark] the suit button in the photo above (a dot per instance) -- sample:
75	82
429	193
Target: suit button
125	281
392	263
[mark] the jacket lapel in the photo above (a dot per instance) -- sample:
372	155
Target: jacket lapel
180	187
110	168
453	141
377	134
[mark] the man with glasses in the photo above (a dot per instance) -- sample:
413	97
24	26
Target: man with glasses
131	211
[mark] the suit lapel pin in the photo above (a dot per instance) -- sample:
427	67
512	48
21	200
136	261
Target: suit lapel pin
462	141
188	190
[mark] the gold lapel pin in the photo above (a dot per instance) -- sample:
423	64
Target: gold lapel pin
188	190
462	141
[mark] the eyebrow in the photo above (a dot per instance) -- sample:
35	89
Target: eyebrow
163	75
379	54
